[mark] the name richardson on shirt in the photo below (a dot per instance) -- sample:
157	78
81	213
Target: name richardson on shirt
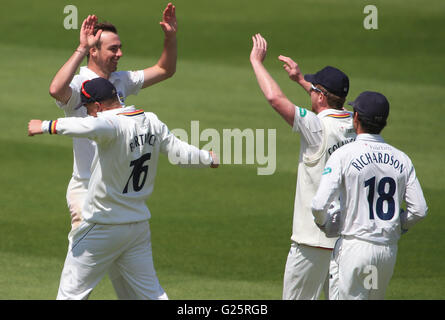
380	155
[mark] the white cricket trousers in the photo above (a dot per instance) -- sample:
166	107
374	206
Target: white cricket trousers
95	248
306	273
75	197
361	270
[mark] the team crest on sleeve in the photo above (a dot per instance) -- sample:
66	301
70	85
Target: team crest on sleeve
121	97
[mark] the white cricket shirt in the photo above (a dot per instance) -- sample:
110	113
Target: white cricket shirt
126	83
124	168
321	134
372	179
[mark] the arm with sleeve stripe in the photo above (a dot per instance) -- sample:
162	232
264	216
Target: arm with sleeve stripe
97	129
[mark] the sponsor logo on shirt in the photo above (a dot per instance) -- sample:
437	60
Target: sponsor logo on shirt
303	112
326	170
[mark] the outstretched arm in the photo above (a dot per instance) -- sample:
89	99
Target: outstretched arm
166	65
294	72
180	152
60	85
270	88
97	129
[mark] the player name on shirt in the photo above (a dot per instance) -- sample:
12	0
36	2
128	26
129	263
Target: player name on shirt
377	158
141	139
339	144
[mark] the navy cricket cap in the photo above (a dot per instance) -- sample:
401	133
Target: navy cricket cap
332	79
371	105
97	89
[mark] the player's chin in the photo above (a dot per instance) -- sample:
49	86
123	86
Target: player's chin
112	66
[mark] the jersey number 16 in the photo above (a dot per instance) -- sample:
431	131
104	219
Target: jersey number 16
138	169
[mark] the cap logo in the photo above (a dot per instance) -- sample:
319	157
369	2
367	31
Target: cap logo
378	118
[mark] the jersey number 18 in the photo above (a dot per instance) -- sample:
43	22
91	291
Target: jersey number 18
383	196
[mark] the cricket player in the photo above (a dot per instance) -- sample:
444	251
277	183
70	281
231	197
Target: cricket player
372	179
114	230
323	130
100	43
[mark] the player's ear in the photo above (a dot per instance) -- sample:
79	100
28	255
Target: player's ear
93	51
93	108
322	100
355	120
355	116
99	106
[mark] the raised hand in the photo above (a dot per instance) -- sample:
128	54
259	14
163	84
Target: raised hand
169	23
291	68
87	37
259	48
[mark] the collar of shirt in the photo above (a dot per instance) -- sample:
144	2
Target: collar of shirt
334	112
369	137
90	74
84	71
116	111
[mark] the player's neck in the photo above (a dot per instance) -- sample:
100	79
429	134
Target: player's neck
97	70
320	109
359	129
114	105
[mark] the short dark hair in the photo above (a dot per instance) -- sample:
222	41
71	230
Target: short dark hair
370	126
104	26
333	100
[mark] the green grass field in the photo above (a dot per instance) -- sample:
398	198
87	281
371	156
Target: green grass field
218	234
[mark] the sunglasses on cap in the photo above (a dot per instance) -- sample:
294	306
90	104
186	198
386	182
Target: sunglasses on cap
313	88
